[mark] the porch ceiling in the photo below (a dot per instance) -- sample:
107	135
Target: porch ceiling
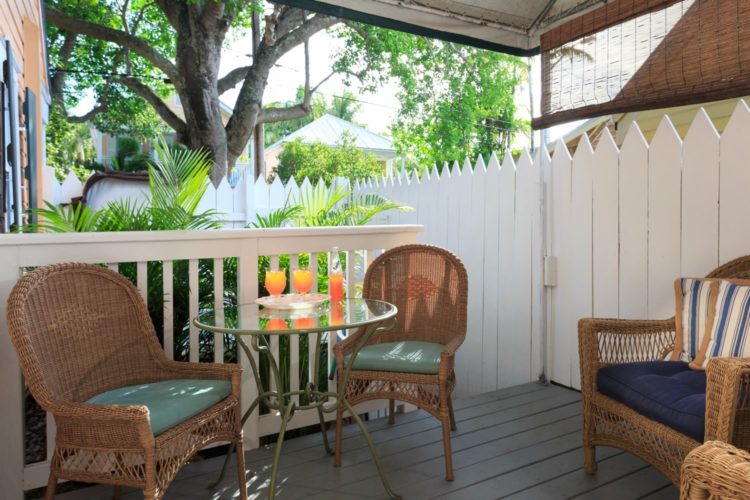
510	26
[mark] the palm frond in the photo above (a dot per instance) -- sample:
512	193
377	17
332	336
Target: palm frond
63	219
277	218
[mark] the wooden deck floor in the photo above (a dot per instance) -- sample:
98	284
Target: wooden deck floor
519	443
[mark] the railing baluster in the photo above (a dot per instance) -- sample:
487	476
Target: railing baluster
218	304
113	266
311	377
142	279
168	298
193	305
351	257
275	338
293	339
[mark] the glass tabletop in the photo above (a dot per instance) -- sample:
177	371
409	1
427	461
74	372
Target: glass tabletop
254	319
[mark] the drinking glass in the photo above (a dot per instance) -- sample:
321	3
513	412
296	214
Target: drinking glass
303	280
275	282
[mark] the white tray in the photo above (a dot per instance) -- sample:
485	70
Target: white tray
292	301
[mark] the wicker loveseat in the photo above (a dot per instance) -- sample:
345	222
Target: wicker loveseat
697	405
715	470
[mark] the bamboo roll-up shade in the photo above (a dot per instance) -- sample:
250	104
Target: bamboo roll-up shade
637	54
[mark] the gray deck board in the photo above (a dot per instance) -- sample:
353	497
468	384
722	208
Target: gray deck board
521	443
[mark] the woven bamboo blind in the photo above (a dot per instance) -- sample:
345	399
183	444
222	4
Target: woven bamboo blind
638	54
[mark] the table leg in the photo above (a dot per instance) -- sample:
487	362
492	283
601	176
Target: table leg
277	453
373	451
323	431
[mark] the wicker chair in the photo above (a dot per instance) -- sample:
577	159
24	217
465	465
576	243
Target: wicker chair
81	330
429	286
606	422
715	470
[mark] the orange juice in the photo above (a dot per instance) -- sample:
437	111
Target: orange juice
276	324
275	282
337	313
303	280
303	323
336	286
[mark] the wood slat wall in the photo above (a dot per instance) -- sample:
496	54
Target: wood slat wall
633	55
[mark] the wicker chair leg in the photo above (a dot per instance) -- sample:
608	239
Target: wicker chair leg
150	495
447	448
339	430
117	493
391	411
452	415
51	486
241	478
589	458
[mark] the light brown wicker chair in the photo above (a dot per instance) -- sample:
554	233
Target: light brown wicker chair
80	330
716	470
606	422
429	286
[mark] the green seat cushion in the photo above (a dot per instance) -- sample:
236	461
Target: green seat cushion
169	402
411	356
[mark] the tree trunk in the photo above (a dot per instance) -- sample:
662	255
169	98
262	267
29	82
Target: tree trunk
198	55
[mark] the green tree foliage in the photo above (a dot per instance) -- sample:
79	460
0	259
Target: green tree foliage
318	161
456	101
69	146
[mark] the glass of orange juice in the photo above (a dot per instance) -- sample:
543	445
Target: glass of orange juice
275	282
303	280
275	324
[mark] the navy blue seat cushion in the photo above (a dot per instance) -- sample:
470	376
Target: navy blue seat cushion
668	392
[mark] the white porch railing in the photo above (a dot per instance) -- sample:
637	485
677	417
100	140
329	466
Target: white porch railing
20	252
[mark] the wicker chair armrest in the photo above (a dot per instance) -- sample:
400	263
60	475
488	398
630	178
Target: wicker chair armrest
348	345
603	342
449	350
68	409
728	400
101	426
715	470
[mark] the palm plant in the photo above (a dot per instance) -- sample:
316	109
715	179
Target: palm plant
178	179
321	205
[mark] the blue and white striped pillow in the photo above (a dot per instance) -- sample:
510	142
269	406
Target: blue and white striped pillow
730	330
692	301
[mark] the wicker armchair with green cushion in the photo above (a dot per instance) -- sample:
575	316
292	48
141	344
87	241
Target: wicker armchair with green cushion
715	470
125	414
413	362
637	400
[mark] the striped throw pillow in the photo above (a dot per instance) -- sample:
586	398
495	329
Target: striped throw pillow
730	328
692	307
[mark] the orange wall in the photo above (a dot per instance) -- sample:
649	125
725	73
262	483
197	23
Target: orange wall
21	23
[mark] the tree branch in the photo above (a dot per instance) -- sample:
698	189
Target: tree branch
297	36
231	79
156	102
137	45
58	78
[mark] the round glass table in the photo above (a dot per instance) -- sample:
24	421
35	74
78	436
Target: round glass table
253	326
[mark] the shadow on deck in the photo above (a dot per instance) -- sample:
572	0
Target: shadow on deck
523	442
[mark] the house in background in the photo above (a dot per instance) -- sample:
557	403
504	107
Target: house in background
648	121
24	102
329	129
